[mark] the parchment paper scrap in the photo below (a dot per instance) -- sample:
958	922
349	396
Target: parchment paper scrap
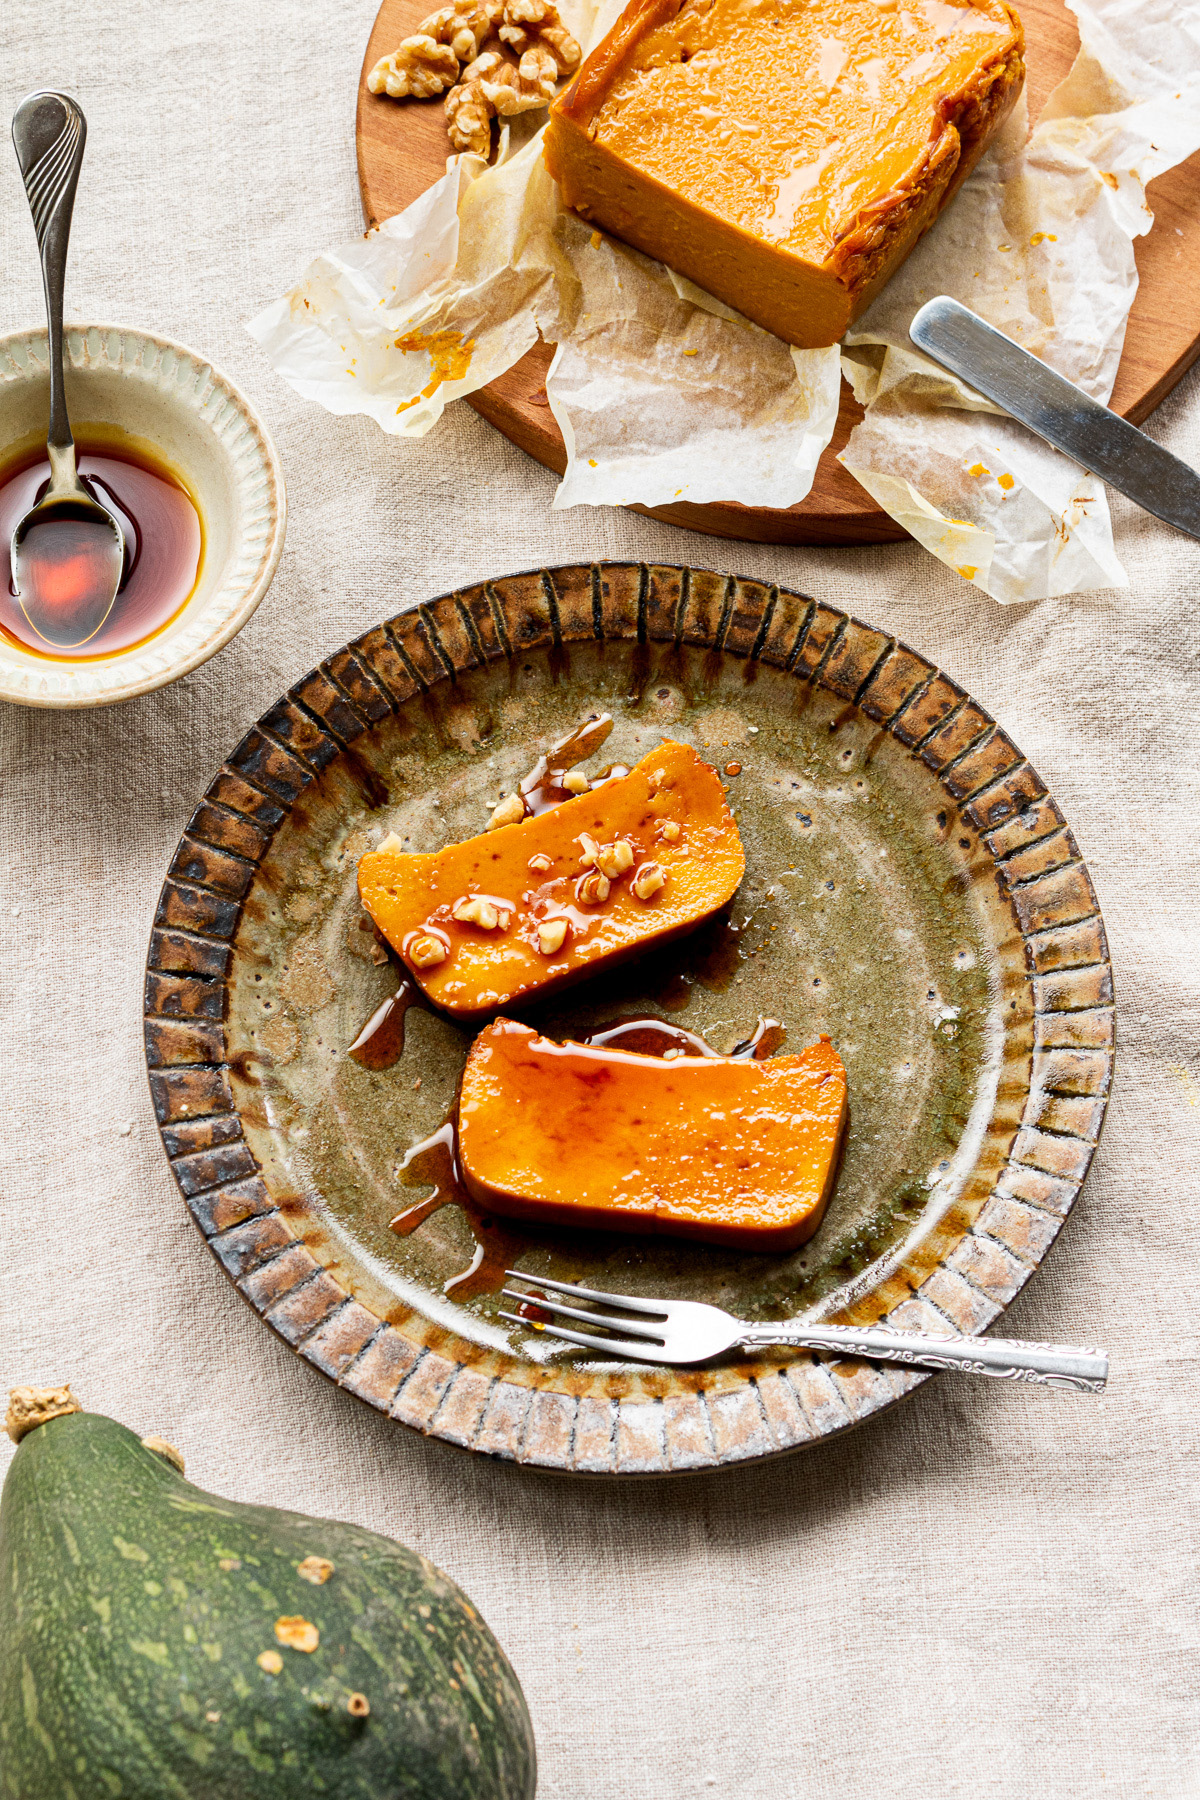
1040	242
659	397
434	304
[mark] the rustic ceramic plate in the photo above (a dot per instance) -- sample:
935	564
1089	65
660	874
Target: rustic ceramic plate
911	889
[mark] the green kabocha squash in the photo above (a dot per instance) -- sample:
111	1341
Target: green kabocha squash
161	1643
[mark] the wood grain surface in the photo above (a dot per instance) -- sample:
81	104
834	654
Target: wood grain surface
402	148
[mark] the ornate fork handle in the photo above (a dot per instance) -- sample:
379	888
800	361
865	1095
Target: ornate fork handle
1050	1365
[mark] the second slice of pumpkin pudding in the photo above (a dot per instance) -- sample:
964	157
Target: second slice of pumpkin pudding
726	1150
505	918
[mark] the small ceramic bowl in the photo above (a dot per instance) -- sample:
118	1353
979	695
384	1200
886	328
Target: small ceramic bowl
204	428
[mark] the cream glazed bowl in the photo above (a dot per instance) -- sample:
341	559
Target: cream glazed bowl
136	383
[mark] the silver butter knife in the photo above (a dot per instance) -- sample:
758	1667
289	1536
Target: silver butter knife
1106	444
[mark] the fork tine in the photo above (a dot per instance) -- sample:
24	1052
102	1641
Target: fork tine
590	1318
611	1346
629	1302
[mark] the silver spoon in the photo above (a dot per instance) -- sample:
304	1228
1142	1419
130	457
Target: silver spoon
68	552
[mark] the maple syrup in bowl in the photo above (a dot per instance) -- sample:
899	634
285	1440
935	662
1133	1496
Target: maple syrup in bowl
57	614
180	459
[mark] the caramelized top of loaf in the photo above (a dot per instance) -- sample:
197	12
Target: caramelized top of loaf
787	117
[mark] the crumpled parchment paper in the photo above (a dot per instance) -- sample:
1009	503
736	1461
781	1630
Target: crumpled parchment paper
663	393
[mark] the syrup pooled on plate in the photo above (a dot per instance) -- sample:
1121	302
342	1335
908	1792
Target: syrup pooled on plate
497	1243
380	1043
60	615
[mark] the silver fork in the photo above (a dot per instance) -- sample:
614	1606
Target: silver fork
685	1331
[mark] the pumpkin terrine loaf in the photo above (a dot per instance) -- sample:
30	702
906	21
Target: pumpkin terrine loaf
708	1147
784	154
505	918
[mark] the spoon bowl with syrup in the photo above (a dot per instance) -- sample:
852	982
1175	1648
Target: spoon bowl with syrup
68	552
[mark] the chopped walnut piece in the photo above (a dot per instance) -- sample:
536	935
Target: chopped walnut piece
669	831
510	811
270	1662
551	936
648	880
425	950
575	782
592	889
540	864
613	859
471	909
589	846
389	845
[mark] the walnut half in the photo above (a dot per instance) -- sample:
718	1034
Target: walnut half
496	85
469	119
418	70
528	22
427	63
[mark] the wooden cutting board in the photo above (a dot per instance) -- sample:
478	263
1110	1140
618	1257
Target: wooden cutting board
402	148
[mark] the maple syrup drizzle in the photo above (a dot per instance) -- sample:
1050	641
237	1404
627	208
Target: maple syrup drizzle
380	1043
498	1243
542	788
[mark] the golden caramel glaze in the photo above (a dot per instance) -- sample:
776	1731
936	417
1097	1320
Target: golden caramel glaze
784	154
727	1151
682	860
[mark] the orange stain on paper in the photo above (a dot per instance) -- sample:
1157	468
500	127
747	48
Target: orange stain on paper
449	358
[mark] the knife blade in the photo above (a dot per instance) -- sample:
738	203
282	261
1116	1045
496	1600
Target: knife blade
1094	435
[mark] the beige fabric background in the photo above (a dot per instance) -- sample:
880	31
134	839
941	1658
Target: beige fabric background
990	1591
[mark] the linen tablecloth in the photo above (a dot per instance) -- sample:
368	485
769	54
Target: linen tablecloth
988	1591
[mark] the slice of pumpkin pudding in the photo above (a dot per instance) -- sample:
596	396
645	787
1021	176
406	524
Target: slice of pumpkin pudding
717	1148
505	918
